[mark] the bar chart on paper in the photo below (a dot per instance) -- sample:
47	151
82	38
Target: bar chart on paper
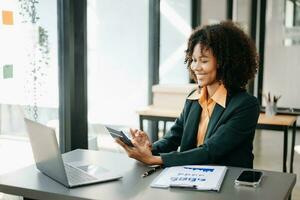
199	177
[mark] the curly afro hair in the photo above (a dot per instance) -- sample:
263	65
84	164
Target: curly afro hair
234	51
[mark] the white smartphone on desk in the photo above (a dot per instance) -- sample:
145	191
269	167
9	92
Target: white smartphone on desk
249	178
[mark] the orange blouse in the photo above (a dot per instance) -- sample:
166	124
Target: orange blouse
208	105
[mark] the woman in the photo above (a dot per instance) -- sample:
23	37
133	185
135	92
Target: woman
218	121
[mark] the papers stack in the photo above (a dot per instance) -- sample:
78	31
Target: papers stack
198	177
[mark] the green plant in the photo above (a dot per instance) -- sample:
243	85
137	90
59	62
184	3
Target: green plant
28	11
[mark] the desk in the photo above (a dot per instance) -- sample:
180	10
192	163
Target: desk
281	123
157	114
29	182
276	122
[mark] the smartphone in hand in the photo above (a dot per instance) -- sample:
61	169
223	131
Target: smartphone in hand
119	134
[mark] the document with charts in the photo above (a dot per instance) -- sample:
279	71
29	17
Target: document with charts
198	177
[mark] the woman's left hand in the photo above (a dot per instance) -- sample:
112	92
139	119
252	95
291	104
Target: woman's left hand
141	150
138	152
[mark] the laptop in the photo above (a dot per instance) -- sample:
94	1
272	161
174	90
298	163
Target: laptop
49	161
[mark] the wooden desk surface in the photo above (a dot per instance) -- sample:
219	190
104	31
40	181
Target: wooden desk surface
280	120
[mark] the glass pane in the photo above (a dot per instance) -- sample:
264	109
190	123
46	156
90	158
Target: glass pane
289	13
28	75
175	28
281	64
242	14
213	11
117	65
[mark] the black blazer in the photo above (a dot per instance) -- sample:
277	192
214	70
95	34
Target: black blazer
228	140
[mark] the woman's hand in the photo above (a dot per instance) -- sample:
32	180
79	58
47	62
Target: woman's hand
142	148
140	138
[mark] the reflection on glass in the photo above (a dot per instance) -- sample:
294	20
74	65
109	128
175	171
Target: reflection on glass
175	28
281	63
292	23
117	64
292	13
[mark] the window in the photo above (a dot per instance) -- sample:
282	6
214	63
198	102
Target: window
281	63
28	74
117	62
175	28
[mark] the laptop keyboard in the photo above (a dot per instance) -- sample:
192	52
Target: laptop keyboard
77	176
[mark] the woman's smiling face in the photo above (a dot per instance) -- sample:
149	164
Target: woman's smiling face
204	65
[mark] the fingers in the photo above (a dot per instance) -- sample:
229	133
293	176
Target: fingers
138	136
127	148
133	132
140	139
136	133
148	144
135	143
139	152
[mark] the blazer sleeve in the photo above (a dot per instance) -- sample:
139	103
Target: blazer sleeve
226	138
171	141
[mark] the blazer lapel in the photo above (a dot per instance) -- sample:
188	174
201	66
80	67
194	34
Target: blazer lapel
191	127
218	110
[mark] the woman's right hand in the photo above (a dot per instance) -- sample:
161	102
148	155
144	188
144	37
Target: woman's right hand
140	138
